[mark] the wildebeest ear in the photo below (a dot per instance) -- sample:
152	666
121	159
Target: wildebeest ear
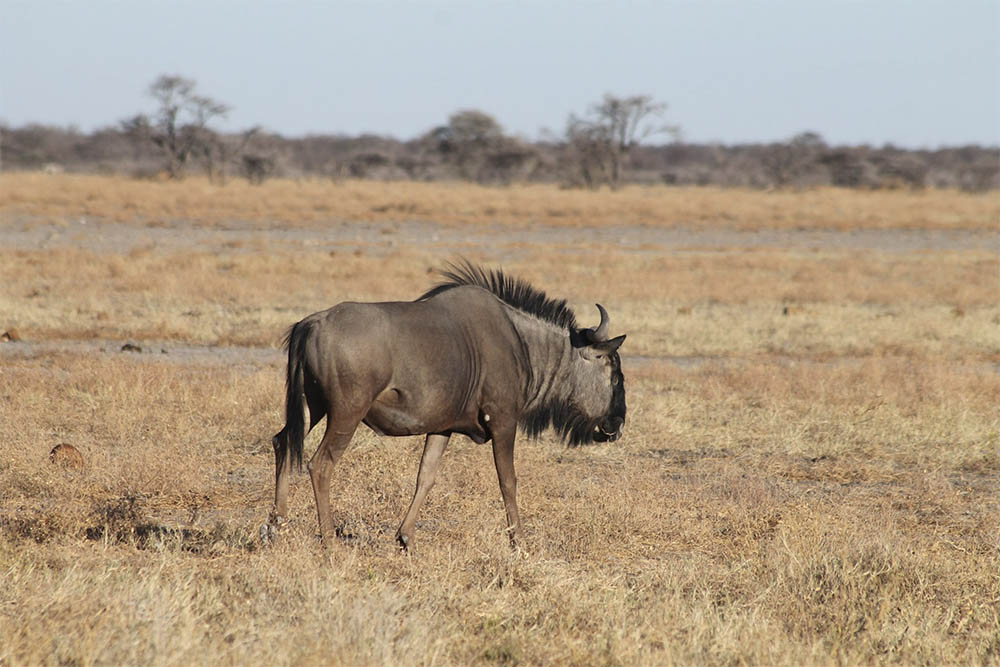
603	348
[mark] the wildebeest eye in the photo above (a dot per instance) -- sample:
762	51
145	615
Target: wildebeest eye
614	380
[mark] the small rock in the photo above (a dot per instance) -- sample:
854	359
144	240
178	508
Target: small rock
131	347
66	456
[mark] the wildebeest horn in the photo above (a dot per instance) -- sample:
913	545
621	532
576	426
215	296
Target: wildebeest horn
601	332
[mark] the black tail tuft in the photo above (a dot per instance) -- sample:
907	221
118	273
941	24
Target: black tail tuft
294	433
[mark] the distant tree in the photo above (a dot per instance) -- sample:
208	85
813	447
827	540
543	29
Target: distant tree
36	145
466	140
601	142
900	169
365	164
982	175
472	131
783	162
179	127
474	143
259	155
220	151
587	154
512	160
257	168
849	167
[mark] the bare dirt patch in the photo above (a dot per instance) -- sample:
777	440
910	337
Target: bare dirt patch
105	236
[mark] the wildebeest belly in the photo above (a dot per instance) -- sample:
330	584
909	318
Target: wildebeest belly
386	420
398	412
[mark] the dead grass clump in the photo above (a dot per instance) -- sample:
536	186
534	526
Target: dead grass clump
840	592
120	519
857	586
124	520
39	529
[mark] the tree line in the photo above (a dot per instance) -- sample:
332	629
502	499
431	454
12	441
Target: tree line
618	140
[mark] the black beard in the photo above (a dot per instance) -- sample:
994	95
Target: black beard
571	425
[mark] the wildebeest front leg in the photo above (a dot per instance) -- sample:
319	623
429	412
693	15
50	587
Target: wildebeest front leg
430	461
503	457
330	449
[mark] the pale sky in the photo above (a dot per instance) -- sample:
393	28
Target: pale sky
916	73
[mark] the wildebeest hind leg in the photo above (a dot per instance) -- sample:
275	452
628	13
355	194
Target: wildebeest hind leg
338	435
317	404
281	464
317	410
430	461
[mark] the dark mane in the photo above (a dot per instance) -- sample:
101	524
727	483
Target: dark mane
515	292
569	424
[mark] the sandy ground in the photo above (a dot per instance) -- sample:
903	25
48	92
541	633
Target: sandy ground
106	236
250	358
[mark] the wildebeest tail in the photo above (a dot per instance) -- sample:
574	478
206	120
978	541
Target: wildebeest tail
293	435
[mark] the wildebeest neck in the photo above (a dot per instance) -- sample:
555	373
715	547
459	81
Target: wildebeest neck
551	378
548	351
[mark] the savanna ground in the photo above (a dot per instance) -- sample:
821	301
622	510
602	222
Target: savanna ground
809	472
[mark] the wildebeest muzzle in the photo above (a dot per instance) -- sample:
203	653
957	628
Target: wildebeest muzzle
609	429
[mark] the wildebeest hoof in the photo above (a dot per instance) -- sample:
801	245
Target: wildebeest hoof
269	531
404	541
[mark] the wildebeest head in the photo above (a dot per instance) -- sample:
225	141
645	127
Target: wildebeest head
599	394
584	402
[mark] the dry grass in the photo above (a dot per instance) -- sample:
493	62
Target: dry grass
809	473
720	303
764	514
315	201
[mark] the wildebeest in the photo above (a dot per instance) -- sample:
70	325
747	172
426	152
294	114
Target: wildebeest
480	354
